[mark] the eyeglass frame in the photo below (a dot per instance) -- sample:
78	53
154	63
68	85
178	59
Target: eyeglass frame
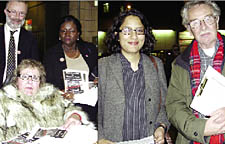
122	30
37	78
14	13
204	20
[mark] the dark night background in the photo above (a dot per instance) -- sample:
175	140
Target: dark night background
161	14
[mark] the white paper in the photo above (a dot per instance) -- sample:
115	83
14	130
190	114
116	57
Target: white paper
75	81
147	140
211	95
89	97
79	134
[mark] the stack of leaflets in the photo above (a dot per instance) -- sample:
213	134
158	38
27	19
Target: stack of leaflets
36	134
80	134
75	81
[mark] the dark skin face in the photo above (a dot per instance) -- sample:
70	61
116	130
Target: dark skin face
68	34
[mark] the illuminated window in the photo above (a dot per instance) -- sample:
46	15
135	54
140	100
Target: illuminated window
121	9
106	7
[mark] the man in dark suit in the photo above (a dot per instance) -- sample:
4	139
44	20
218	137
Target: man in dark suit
25	43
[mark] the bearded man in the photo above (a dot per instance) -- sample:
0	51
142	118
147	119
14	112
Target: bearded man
16	43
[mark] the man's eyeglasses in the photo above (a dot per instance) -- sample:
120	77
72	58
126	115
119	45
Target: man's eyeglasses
26	77
14	13
209	20
128	31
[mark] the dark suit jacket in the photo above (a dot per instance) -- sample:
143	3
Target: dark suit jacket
54	62
27	46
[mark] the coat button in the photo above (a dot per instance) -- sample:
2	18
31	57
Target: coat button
150	122
149	99
195	133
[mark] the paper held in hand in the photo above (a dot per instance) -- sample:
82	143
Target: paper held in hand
147	140
210	95
75	81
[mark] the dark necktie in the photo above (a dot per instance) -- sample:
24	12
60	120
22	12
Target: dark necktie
11	61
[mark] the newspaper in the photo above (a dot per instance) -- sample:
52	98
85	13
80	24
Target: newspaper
210	93
147	140
75	81
80	134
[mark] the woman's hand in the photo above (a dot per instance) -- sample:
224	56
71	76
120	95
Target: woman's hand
159	135
68	95
104	141
73	120
96	81
168	139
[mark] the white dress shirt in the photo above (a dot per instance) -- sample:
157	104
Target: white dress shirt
7	30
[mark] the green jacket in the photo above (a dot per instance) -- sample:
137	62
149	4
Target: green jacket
178	102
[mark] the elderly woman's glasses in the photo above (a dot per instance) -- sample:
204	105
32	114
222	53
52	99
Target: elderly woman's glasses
128	31
14	13
26	77
209	20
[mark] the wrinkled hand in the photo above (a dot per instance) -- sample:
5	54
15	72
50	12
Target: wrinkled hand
159	135
104	141
72	121
216	123
68	95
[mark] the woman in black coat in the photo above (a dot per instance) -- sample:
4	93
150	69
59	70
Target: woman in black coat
71	52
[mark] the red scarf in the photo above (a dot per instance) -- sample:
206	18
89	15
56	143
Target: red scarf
195	69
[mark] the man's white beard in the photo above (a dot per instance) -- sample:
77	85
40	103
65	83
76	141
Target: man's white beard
14	26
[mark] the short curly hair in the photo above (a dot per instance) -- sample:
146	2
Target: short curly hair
30	63
112	39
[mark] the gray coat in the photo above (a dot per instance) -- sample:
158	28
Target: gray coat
111	96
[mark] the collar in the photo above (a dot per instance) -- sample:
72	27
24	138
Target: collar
45	92
8	29
183	59
126	64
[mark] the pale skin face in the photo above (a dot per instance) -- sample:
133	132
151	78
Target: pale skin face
206	34
28	87
15	14
131	44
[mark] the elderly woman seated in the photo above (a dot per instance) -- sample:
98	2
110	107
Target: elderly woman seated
29	102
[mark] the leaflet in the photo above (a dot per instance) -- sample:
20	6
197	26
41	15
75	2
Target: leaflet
80	134
210	94
147	140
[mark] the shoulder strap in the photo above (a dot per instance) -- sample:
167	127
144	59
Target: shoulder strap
154	62
156	67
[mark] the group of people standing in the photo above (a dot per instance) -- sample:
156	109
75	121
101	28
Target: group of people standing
133	99
26	99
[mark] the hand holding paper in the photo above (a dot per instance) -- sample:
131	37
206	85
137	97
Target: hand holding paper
210	95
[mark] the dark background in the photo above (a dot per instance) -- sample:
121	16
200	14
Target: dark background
161	14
